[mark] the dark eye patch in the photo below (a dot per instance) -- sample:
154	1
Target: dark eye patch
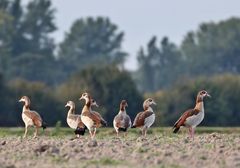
150	100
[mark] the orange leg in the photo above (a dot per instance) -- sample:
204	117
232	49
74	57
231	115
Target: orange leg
36	132
191	132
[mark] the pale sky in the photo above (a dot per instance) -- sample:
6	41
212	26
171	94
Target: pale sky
141	19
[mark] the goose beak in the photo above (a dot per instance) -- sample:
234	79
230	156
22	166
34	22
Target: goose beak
80	98
154	103
126	105
208	95
66	105
97	105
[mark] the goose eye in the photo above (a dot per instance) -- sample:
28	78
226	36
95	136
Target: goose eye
203	92
150	100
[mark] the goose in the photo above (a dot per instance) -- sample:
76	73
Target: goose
103	122
192	117
122	121
74	121
145	119
30	117
90	120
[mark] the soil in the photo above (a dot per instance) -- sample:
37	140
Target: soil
206	150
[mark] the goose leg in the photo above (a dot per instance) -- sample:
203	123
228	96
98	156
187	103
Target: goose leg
125	134
193	132
94	133
26	130
142	131
189	132
90	132
145	132
36	132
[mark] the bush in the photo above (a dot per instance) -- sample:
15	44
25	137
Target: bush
223	109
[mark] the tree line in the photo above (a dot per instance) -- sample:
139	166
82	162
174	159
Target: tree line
90	58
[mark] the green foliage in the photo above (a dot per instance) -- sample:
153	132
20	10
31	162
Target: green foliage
220	110
176	74
160	66
25	40
42	100
213	48
91	42
108	86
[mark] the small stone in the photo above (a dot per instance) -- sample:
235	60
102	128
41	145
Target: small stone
222	146
158	161
55	150
168	154
3	143
92	143
42	148
11	166
186	140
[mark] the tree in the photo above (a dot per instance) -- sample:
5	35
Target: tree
91	41
213	48
42	100
38	23
222	109
147	63
159	67
107	85
6	30
26	42
35	67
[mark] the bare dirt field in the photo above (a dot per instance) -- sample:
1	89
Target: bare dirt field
159	149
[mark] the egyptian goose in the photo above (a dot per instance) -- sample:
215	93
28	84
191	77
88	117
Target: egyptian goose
103	122
73	120
31	118
122	121
146	118
192	117
88	118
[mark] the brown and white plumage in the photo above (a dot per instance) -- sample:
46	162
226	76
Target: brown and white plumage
90	120
102	122
30	117
74	120
146	118
192	117
122	121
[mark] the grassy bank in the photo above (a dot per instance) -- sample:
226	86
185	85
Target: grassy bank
104	132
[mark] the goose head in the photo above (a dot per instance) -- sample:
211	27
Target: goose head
201	95
24	99
148	102
85	96
70	104
123	105
94	103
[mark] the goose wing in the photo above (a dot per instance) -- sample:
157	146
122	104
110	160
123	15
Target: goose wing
36	118
139	120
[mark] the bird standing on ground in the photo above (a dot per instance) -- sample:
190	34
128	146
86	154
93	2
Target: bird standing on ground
122	121
30	117
74	120
192	117
145	119
90	120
